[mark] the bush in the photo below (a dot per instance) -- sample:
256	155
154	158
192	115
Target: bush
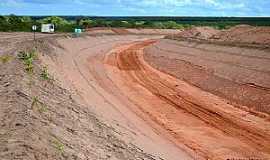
28	59
44	73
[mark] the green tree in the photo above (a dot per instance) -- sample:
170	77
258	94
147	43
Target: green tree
158	25
61	24
4	23
57	21
138	24
86	23
172	25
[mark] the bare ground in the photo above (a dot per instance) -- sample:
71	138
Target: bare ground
135	97
240	75
42	120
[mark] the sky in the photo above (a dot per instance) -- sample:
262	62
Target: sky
236	8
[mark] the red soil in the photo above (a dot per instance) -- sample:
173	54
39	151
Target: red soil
235	74
120	31
198	33
201	121
151	106
246	34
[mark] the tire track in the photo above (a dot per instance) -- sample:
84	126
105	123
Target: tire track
213	114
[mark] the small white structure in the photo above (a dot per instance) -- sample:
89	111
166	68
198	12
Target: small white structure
47	28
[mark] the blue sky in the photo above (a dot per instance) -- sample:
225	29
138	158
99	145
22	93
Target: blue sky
137	7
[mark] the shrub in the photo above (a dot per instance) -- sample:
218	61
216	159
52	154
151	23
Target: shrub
44	73
58	145
28	58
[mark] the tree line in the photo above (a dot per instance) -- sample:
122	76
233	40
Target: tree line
24	23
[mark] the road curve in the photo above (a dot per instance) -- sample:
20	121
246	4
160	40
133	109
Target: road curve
203	122
166	116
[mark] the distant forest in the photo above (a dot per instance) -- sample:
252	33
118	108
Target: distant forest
68	23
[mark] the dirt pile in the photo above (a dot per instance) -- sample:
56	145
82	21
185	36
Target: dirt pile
198	33
99	30
245	34
236	36
155	31
120	31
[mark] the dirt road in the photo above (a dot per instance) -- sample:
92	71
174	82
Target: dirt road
164	115
80	66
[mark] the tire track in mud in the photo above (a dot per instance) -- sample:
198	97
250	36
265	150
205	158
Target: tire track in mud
219	122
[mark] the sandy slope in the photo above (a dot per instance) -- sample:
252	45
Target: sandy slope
240	75
135	97
166	116
200	120
41	120
80	66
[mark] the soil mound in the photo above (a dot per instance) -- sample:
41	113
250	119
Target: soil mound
124	31
199	33
99	30
120	31
246	34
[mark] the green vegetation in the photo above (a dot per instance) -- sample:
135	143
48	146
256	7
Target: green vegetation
37	104
58	145
69	23
28	59
87	23
5	58
42	108
61	24
44	73
15	23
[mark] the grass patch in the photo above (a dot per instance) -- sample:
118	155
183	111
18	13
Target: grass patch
58	145
42	108
5	58
28	60
45	74
39	105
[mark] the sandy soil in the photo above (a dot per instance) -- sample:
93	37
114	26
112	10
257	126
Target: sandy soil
143	97
240	35
240	75
126	91
83	71
45	119
117	31
204	122
245	34
198	33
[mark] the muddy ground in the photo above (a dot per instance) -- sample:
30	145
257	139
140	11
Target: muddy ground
134	96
